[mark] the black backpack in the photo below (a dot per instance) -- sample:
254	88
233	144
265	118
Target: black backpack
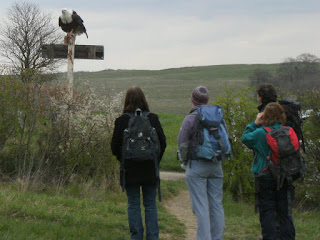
140	143
292	110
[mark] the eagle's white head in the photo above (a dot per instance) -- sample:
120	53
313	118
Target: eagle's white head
66	16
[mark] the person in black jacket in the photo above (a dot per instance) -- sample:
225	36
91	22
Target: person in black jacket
139	174
266	93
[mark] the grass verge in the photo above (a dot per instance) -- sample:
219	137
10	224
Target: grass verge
171	124
75	214
242	223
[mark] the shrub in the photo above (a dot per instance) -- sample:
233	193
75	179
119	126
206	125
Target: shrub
307	194
239	109
46	137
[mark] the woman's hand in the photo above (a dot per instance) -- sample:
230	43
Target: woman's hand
259	120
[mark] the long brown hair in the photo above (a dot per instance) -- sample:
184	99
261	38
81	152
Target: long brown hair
274	113
135	98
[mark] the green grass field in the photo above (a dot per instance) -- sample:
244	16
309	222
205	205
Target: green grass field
169	90
171	124
79	214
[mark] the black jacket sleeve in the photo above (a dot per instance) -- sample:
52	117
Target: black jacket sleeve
120	124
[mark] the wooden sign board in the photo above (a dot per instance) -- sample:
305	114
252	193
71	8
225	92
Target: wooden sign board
81	51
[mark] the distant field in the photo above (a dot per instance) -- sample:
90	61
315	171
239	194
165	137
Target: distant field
171	125
169	90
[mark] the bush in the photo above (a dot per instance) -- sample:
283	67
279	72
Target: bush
239	109
46	137
307	194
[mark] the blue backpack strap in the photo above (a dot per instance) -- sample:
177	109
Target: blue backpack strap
221	143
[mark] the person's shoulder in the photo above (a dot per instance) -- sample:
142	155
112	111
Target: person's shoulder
122	117
153	116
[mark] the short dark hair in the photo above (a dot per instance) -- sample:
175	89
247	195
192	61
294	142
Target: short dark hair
135	98
274	112
267	92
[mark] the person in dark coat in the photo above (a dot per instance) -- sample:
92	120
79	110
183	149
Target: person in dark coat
266	93
139	175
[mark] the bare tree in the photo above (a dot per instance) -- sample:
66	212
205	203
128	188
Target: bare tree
260	76
24	30
299	73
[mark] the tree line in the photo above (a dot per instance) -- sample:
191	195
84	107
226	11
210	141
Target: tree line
300	73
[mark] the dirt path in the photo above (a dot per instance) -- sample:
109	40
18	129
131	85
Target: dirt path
180	206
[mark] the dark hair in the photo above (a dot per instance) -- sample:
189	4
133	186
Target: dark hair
274	112
267	92
135	98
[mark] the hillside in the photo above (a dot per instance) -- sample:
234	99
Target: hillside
169	90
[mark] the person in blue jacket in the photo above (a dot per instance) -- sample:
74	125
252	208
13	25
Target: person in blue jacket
271	202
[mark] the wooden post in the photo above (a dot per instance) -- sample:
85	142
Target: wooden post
71	47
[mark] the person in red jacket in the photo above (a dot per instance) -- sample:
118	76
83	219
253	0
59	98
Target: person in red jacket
139	174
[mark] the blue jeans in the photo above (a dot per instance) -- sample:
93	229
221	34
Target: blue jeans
273	204
205	182
149	192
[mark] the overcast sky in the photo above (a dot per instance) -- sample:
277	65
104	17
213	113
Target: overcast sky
159	34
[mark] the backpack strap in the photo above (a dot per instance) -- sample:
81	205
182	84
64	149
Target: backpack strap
267	129
130	114
145	114
275	170
221	143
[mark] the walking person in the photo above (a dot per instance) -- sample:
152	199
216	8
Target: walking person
204	177
272	201
139	175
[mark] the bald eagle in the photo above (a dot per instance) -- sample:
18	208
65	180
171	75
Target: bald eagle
71	22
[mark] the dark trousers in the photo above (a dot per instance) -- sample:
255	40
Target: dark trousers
274	206
149	192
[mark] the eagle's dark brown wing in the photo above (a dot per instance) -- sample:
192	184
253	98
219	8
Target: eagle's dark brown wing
78	24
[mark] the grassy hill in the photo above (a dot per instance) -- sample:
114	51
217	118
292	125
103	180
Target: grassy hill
169	90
